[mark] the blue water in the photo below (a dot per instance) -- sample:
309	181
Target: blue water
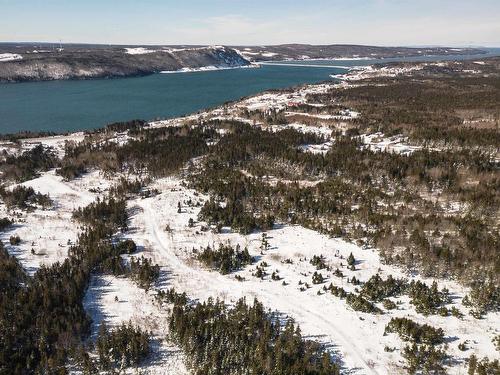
490	52
76	105
62	106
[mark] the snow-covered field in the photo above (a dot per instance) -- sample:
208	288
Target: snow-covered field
362	72
321	316
46	234
114	300
354	338
396	144
279	101
57	142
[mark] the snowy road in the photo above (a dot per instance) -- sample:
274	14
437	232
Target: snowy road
302	307
356	338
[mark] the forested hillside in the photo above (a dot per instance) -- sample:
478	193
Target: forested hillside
346	227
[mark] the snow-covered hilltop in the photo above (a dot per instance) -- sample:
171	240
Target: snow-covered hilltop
33	62
87	62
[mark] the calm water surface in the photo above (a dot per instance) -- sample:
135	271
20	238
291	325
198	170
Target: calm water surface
76	105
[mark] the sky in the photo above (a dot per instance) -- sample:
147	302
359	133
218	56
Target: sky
253	22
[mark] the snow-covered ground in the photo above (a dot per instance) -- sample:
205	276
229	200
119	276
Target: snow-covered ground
4	57
278	100
209	68
322	317
116	300
321	148
139	51
359	73
395	144
46	234
363	72
58	142
355	338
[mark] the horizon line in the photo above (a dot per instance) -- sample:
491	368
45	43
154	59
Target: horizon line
254	45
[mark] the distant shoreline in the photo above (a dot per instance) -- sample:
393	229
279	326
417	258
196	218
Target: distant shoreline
33	63
209	69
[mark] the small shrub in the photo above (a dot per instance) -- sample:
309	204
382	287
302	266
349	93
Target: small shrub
15	240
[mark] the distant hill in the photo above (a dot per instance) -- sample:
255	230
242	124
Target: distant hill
20	62
307	52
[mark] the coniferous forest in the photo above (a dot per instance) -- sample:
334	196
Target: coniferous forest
293	203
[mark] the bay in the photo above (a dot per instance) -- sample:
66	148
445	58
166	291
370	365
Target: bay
61	106
64	106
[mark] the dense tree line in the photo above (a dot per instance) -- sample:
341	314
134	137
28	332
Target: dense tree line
235	169
110	211
11	276
126	187
377	289
158	152
233	214
358	303
144	272
225	259
4	223
71	171
424	353
115	350
24	197
426	299
425	359
281	144
42	319
244	339
483	367
29	164
25	134
409	330
132	125
121	347
482	298
425	110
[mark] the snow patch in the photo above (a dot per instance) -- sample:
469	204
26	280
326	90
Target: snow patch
209	68
139	51
4	57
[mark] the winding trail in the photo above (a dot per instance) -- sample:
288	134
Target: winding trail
292	302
